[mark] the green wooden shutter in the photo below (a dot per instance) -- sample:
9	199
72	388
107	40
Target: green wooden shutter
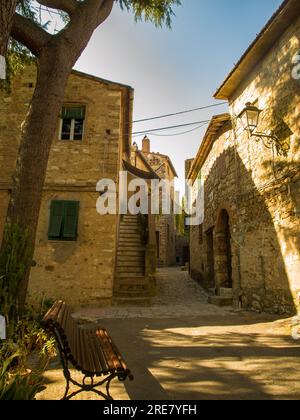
73	112
71	211
56	218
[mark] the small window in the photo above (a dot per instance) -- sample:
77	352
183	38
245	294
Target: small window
63	223
72	122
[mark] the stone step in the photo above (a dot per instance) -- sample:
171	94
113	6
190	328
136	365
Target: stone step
139	258
129	225
125	287
136	262
129	266
125	238
226	292
129	231
130	248
129	241
131	253
131	277
130	270
129	220
220	301
131	301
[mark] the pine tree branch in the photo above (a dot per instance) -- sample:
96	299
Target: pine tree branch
68	6
29	34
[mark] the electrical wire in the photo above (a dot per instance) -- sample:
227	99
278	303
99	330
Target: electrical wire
150	131
175	134
179	113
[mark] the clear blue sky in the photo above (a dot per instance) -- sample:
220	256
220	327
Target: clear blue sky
173	70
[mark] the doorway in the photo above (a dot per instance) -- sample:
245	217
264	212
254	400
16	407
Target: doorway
210	258
223	254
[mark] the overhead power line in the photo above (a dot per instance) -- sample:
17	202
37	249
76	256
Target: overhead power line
179	134
176	134
153	130
179	113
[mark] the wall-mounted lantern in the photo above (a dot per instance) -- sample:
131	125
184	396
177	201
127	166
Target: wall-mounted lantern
250	119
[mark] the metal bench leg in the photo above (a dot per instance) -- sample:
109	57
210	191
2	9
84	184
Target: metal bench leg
107	387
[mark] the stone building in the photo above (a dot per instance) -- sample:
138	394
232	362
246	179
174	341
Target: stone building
79	254
248	246
165	224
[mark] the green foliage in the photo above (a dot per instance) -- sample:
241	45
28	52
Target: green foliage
18	56
17	385
14	260
23	359
158	12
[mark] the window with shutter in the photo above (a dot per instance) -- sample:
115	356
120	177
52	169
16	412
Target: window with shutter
71	210
72	122
56	219
63	223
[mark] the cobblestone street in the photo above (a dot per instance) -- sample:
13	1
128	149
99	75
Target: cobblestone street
177	295
182	348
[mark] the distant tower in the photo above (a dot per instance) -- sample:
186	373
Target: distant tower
146	145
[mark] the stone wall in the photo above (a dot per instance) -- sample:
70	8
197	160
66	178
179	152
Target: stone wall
83	271
258	189
165	224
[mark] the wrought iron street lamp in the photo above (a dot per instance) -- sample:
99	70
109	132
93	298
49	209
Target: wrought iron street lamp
250	119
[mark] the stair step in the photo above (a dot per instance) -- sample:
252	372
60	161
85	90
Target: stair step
134	257
226	292
130	276
138	262
124	243
129	226
131	248
129	233
129	220
130	238
131	256
220	300
130	270
131	287
131	301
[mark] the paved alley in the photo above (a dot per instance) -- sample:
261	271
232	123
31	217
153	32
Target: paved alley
182	348
177	295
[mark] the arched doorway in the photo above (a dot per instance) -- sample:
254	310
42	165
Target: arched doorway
223	254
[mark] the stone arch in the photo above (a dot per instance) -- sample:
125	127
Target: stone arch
223	250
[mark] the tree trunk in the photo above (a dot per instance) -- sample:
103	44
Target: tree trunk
57	56
38	132
7	11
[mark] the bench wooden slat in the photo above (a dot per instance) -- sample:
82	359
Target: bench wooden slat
99	359
92	351
109	354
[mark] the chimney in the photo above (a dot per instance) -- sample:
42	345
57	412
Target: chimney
146	145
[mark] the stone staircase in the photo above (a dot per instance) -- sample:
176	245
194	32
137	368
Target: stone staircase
131	285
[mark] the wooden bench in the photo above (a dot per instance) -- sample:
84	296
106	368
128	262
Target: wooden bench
90	351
